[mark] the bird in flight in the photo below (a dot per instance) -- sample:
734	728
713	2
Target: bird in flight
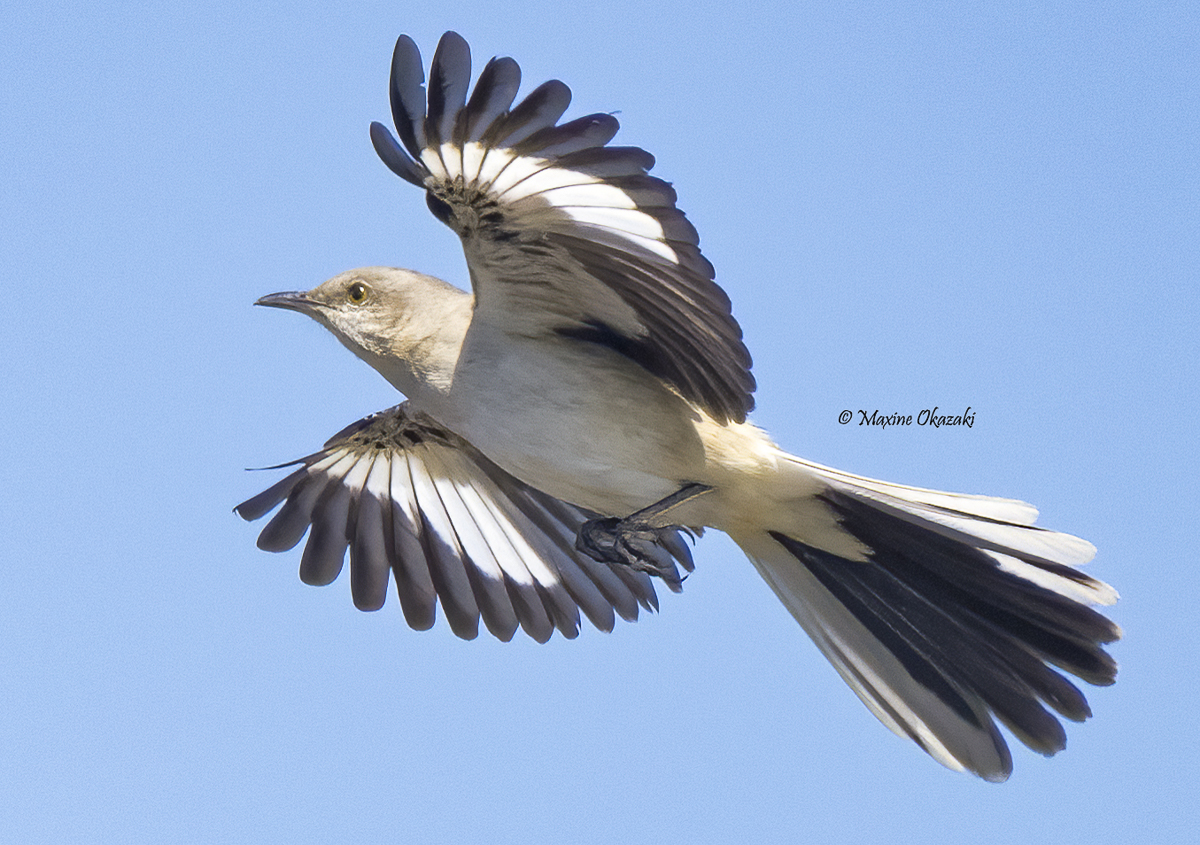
572	420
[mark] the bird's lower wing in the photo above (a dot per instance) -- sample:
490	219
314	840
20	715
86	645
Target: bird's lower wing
407	496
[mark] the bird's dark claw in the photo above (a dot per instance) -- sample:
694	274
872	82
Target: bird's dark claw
635	544
643	541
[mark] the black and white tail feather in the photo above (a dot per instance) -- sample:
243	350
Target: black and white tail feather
955	617
959	612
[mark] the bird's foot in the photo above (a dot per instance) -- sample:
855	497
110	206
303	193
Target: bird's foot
629	543
644	541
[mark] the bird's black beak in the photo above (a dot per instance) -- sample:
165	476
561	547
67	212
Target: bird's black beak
292	300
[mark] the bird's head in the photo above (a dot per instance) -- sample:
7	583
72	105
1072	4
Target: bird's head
404	324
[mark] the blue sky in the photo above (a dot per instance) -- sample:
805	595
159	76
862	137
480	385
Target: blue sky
950	204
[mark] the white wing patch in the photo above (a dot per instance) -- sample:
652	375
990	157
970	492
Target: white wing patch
406	496
556	224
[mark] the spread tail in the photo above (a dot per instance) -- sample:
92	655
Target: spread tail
956	616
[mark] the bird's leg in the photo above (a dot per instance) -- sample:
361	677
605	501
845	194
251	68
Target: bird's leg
638	540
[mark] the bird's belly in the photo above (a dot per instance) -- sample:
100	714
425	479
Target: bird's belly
579	422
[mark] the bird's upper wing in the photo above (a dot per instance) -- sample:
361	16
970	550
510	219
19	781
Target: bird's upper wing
408	496
563	234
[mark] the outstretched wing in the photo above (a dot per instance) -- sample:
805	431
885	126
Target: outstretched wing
406	495
563	235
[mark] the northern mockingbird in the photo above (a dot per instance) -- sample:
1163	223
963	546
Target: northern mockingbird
586	405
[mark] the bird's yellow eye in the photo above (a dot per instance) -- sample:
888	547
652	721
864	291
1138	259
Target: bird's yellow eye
357	293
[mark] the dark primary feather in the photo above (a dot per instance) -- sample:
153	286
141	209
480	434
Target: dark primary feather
594	130
325	551
407	497
406	92
540	110
550	204
406	552
444	555
449	78
369	556
493	96
607	162
395	158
